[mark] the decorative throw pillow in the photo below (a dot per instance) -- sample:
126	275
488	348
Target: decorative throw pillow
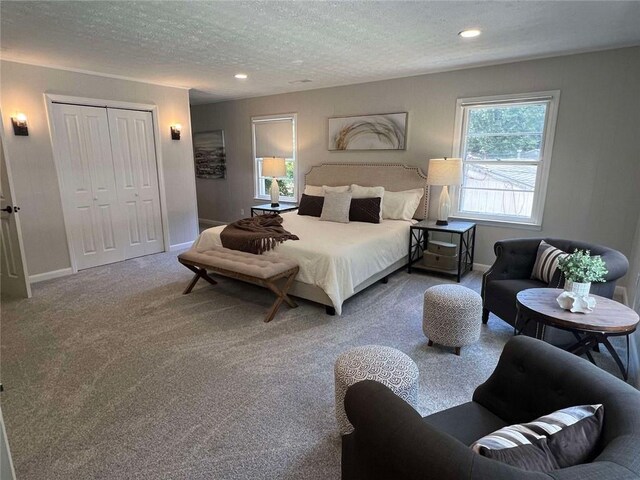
365	210
310	205
368	192
546	262
401	205
340	189
314	191
561	439
336	207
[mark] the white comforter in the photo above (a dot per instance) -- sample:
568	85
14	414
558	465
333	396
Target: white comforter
334	256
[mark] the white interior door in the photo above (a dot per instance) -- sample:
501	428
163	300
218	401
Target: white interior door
88	184
13	273
136	175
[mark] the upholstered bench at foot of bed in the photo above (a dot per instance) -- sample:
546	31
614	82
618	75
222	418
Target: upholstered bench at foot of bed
256	269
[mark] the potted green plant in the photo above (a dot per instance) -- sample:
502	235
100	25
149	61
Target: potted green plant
580	269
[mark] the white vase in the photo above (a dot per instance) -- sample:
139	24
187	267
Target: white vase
580	289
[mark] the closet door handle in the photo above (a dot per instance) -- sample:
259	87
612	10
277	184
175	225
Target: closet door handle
8	209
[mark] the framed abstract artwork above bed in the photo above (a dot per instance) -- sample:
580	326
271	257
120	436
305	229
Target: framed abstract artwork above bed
386	131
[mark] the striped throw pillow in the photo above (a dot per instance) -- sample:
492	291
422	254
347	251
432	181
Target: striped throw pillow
547	262
561	439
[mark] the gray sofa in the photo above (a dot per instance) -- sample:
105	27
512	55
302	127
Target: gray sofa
511	273
532	378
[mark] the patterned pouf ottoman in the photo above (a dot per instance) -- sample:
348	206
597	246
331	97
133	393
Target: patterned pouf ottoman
386	365
452	316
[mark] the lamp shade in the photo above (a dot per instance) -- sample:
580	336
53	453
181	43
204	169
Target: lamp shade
445	171
273	167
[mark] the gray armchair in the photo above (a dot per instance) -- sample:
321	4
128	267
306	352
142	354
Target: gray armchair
511	273
392	441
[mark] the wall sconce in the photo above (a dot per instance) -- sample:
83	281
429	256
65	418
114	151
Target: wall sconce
20	125
175	131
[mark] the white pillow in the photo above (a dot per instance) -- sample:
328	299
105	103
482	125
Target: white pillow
401	205
368	192
336	207
313	190
340	189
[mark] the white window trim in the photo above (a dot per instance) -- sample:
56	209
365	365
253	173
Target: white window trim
540	192
256	179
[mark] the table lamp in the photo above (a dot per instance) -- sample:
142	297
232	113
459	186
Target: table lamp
444	172
274	167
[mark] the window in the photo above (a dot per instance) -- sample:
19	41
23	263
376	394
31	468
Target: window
275	136
505	145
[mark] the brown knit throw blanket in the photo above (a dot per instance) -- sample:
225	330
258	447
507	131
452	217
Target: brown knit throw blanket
256	234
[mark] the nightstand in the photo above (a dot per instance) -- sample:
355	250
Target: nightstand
266	207
419	238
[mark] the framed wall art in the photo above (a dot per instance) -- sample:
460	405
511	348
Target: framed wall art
386	131
209	154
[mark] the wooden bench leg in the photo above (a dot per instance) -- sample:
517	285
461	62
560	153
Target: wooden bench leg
282	296
199	273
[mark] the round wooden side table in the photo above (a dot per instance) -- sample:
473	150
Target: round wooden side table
608	319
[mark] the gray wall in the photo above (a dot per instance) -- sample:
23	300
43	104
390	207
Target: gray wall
34	174
595	172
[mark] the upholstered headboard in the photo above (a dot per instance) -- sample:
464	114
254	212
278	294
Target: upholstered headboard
393	177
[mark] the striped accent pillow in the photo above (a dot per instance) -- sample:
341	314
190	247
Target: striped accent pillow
547	262
561	439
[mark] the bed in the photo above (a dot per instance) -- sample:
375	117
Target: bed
339	260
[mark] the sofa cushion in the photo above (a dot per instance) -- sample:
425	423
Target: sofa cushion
467	422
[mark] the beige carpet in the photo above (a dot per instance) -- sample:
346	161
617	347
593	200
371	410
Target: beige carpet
114	374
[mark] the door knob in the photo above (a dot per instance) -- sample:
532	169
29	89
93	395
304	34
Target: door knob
95	198
7	209
136	194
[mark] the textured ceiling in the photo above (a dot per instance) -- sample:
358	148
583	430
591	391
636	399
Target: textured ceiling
201	45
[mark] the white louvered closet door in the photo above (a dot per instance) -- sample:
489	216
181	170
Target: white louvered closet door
136	178
89	191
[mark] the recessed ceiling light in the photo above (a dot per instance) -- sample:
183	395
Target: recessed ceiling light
471	33
241	76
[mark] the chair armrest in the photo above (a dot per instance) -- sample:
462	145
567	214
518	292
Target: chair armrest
391	437
391	441
515	259
616	263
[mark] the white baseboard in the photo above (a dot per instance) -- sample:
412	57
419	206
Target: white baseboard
620	294
180	246
481	267
41	277
210	223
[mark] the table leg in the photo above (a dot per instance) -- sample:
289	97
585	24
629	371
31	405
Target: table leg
460	258
605	341
517	321
473	245
584	344
409	256
540	330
